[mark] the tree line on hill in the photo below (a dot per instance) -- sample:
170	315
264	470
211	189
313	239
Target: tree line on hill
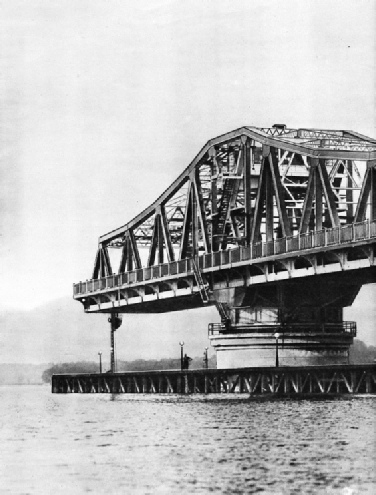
360	353
136	365
23	374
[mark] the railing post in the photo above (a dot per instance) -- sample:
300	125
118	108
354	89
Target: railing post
325	236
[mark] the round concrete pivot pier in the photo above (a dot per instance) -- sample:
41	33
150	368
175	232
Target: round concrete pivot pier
241	350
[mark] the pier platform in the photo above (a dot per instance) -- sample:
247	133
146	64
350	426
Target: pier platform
274	381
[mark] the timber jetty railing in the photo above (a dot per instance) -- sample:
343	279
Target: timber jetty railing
278	381
326	238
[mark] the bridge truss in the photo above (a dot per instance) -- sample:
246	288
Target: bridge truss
264	223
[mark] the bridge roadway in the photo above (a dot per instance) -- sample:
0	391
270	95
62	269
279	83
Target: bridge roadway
173	286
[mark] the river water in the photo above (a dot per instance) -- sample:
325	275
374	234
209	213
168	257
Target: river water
147	444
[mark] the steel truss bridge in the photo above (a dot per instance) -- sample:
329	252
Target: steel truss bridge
275	226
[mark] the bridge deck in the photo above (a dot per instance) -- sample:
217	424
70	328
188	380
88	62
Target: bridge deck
312	243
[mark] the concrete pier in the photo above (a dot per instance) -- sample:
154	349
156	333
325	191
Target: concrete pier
278	381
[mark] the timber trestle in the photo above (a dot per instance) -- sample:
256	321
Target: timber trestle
281	381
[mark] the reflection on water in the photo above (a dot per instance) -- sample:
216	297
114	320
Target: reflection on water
141	444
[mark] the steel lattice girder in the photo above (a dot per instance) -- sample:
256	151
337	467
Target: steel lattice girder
286	381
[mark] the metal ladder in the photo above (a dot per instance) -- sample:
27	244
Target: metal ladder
225	320
224	206
203	287
230	190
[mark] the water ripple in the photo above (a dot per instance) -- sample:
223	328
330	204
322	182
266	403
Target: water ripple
143	444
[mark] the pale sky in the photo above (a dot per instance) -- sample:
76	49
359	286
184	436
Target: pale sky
104	103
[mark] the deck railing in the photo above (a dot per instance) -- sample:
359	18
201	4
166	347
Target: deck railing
348	327
326	237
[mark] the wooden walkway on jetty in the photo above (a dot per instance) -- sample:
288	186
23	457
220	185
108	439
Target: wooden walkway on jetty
281	381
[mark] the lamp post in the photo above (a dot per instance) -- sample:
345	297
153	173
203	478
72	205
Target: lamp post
276	335
181	343
206	357
100	362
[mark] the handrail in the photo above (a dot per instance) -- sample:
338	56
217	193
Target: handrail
323	238
347	327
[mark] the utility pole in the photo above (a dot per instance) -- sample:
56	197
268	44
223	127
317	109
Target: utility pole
276	335
100	362
181	343
206	358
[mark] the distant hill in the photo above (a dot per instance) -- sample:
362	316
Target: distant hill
137	365
360	353
24	374
21	374
60	331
